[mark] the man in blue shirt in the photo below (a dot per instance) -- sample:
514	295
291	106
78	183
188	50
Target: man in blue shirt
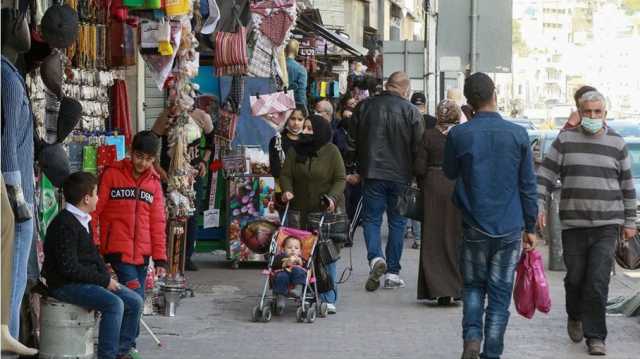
491	162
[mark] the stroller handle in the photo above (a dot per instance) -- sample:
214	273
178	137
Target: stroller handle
284	216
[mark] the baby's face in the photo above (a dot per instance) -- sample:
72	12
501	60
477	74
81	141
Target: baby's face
292	248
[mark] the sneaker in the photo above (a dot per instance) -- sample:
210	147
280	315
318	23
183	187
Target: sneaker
378	267
574	328
471	350
190	266
132	354
596	347
281	303
331	308
393	281
297	291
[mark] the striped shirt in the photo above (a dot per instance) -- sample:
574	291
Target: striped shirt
17	132
597	184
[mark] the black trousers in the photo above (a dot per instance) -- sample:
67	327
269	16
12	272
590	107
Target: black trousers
588	255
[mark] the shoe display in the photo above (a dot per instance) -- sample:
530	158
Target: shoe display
596	347
393	281
190	266
574	328
378	267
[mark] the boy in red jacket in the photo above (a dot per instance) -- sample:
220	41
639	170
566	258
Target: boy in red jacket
130	214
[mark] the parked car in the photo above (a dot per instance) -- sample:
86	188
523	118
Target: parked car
526	123
625	128
541	141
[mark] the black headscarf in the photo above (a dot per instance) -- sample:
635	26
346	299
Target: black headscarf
308	145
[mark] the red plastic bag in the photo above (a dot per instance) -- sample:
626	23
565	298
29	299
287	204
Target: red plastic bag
524	291
543	299
531	290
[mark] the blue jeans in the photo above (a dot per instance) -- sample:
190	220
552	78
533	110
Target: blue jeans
21	251
283	279
120	310
134	278
332	295
488	265
415	227
378	196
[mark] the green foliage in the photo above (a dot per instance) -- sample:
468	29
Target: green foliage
519	45
631	5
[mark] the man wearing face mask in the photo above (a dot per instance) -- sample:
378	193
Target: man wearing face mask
385	133
598	202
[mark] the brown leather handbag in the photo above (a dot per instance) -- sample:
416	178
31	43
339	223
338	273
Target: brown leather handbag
628	253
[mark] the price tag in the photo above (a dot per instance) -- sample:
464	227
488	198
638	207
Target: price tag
211	218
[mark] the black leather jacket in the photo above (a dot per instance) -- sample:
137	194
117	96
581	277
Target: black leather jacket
384	135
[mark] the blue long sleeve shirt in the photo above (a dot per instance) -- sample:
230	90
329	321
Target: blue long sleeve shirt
17	132
491	161
297	81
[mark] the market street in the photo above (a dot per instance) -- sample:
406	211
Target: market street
383	324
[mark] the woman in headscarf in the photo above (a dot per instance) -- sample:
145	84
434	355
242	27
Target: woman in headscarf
282	142
314	170
439	276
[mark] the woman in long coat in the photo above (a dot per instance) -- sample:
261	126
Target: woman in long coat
439	276
314	169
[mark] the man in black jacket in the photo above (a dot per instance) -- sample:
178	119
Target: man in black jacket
76	273
384	136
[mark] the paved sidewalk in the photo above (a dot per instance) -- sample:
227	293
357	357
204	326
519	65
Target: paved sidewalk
384	324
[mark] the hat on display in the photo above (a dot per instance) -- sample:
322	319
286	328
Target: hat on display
211	22
418	99
51	73
68	117
54	162
59	26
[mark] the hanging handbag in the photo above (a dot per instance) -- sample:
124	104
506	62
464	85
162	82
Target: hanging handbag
227	122
628	253
324	282
230	53
264	104
410	204
121	50
335	226
327	250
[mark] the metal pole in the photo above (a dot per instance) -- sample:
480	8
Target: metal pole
426	52
474	35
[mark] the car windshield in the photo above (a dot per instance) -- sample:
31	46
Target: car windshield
626	129
634	154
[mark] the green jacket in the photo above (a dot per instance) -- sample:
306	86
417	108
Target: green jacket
308	181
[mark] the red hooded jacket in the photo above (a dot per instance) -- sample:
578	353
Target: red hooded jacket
129	221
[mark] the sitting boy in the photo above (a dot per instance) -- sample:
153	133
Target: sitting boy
290	270
76	273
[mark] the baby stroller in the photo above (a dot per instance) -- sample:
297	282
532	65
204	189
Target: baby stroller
309	305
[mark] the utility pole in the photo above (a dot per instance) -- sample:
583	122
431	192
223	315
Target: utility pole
426	9
474	36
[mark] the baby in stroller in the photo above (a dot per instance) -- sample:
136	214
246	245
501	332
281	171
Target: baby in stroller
289	267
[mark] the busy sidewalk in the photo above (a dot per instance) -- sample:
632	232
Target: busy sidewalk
383	324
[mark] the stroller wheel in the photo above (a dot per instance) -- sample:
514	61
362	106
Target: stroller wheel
300	314
311	313
324	310
256	314
266	314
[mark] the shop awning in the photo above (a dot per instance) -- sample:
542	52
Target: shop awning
306	24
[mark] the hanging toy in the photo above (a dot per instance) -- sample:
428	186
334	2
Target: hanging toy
164	39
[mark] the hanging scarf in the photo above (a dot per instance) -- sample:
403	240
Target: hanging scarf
309	144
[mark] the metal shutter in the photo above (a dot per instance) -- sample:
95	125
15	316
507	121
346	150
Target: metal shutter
154	100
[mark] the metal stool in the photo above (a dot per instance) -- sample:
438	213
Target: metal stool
66	330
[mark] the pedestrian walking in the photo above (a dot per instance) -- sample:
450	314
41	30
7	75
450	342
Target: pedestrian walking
438	274
384	135
314	169
598	199
492	164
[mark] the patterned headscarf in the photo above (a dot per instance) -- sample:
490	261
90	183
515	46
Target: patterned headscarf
448	115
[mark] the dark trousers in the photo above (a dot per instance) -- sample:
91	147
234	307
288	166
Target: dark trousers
588	255
283	279
192	234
